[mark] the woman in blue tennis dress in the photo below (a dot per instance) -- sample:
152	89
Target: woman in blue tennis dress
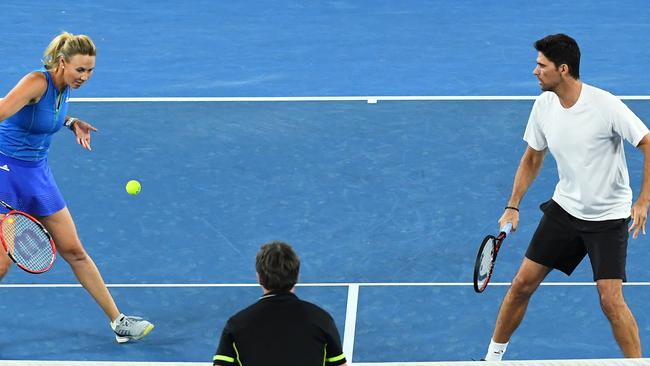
30	114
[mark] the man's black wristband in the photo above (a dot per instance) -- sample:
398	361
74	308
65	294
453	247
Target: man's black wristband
512	208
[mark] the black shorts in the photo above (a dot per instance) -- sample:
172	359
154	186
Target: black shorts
561	241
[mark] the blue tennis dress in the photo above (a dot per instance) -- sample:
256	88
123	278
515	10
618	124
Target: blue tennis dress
26	181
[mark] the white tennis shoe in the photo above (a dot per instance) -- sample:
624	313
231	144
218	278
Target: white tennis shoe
127	328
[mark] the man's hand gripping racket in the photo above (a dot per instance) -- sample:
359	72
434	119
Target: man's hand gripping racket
487	256
26	241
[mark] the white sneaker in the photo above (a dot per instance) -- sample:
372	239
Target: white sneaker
127	328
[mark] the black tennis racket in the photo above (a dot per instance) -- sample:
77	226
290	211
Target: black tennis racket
26	241
486	257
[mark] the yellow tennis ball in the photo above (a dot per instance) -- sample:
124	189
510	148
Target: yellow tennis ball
133	187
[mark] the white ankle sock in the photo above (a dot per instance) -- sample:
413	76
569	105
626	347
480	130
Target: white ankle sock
116	320
495	351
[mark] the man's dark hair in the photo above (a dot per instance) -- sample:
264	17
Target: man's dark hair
277	266
561	49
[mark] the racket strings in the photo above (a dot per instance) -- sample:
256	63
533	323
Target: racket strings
26	242
486	260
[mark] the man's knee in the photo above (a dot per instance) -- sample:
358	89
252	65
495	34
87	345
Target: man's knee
611	299
523	287
613	304
528	278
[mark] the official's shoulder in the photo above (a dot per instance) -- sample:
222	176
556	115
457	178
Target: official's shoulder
245	312
315	309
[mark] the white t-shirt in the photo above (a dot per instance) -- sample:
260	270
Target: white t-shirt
586	141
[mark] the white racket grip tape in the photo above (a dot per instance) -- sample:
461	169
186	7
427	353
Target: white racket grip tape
506	228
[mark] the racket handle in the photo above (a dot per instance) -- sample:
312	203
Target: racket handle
506	228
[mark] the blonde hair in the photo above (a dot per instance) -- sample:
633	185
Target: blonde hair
67	45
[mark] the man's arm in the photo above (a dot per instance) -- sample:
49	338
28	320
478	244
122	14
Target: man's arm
226	354
333	349
529	167
639	211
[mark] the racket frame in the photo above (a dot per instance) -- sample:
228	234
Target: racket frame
10	214
477	264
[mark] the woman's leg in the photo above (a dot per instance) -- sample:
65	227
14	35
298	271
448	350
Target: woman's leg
5	261
64	233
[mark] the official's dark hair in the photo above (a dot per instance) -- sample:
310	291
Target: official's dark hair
561	49
277	266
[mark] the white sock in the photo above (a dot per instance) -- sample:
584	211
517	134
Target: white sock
116	320
495	351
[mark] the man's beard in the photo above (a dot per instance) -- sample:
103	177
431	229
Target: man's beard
546	87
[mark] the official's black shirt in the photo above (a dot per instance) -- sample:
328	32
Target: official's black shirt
280	329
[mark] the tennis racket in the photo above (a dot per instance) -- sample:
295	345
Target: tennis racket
486	257
26	241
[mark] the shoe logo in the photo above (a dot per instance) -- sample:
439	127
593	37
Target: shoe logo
5	167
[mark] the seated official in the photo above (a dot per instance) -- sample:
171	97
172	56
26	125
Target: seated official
279	329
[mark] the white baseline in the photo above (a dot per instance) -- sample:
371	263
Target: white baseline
371	99
330	284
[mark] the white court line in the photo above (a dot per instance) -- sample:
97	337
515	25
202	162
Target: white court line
298	99
574	362
322	99
333	284
350	322
568	362
565	362
99	363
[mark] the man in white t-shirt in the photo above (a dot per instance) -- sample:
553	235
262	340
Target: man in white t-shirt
584	128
